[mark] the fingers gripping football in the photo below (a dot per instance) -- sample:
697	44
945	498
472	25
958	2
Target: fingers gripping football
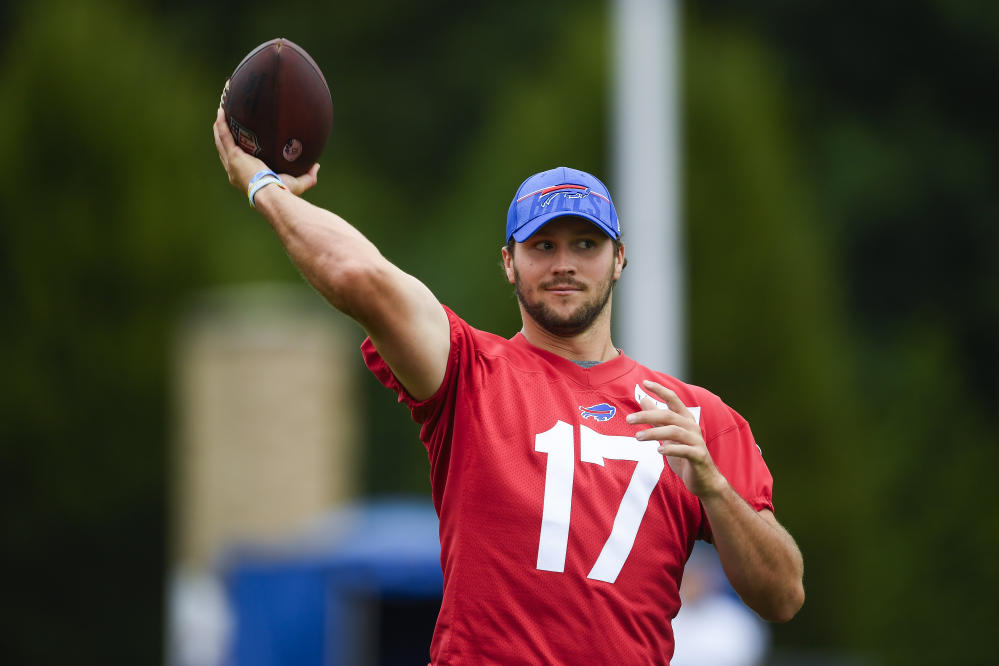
241	166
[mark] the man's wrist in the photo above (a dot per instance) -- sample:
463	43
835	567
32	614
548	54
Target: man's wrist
716	489
260	180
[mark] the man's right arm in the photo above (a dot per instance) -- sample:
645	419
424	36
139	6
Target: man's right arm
404	319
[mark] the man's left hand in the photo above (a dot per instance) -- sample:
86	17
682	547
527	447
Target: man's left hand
680	440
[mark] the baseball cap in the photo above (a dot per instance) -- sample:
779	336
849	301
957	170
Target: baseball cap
556	193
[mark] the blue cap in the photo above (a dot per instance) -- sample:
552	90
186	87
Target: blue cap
556	193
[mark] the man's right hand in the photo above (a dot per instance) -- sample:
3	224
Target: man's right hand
241	166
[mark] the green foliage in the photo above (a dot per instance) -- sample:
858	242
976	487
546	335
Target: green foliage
113	215
766	319
897	146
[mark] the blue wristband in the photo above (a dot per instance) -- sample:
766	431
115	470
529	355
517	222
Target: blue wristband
260	174
258	184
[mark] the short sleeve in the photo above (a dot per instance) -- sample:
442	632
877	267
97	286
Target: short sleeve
433	413
740	460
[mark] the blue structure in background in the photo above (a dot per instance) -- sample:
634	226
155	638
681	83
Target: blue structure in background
363	587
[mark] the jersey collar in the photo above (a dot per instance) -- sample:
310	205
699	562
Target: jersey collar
598	374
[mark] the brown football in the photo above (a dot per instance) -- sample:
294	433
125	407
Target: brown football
278	106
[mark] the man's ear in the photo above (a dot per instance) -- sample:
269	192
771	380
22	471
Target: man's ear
508	263
620	260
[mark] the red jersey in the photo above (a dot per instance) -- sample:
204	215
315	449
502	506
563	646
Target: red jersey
563	538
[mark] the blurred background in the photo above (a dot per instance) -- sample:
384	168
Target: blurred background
839	205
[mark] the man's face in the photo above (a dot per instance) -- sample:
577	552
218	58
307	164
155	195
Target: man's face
564	274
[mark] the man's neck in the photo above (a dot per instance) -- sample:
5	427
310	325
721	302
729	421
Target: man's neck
593	344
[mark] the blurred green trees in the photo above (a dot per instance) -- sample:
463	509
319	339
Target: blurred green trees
844	290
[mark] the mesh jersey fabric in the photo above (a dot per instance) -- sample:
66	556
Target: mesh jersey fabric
537	479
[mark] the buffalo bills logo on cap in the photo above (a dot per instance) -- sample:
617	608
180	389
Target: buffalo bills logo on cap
601	412
549	195
568	191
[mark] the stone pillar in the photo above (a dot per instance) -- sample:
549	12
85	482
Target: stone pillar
266	415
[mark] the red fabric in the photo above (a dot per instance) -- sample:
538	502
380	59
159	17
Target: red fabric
488	482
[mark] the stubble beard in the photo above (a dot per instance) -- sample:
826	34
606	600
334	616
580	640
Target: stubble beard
577	321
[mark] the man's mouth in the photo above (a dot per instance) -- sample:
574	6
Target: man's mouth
563	289
570	285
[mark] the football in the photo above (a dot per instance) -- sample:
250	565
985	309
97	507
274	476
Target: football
278	106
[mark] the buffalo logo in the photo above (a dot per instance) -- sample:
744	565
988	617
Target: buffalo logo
549	195
601	412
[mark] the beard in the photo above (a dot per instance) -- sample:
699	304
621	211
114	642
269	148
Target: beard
577	321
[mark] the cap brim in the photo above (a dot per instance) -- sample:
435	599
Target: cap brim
532	227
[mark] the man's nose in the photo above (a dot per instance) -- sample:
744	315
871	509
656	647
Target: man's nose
564	263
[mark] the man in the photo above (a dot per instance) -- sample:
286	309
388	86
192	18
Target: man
570	481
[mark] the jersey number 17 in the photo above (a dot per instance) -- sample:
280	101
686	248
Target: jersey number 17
594	448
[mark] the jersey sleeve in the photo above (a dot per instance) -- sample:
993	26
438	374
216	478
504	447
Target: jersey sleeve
433	414
740	460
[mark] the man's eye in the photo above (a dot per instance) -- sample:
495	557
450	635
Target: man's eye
586	244
544	245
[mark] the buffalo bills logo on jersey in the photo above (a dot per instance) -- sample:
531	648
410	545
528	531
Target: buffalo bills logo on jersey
601	412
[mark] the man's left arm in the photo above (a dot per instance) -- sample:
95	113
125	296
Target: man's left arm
760	558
